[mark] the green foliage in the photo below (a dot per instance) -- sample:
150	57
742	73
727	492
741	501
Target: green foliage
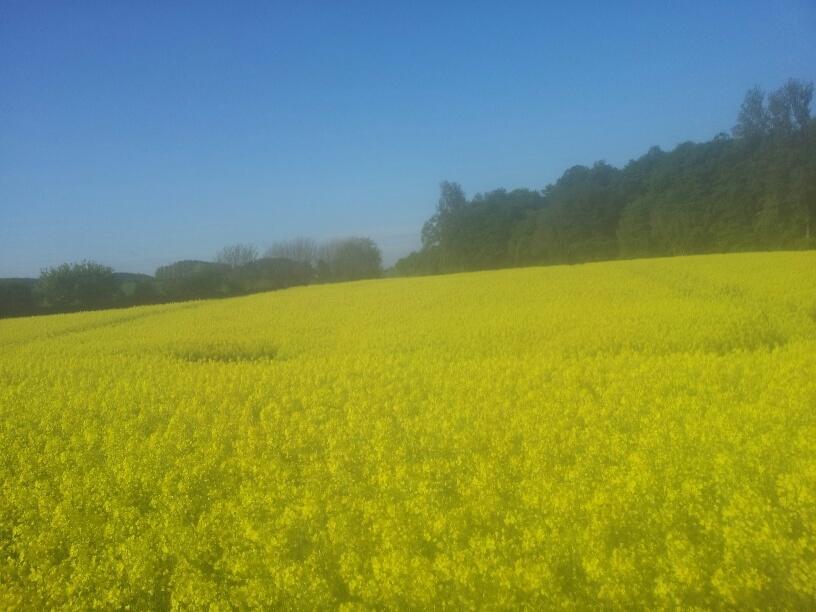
752	120
436	230
426	261
349	259
755	191
190	279
269	273
78	286
301	249
90	286
789	108
237	255
16	297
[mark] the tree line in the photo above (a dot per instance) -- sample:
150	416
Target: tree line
235	270
752	190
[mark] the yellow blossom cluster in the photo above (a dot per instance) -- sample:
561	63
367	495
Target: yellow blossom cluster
632	434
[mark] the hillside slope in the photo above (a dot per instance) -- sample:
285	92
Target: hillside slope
633	433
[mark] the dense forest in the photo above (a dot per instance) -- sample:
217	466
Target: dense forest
752	190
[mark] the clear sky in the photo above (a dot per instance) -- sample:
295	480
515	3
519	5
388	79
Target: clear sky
140	133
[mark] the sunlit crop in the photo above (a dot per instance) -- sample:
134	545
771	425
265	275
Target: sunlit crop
629	434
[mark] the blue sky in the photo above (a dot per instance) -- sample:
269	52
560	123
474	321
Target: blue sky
140	133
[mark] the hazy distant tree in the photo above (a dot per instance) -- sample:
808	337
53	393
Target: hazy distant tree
237	255
789	107
16	297
424	261
268	273
452	200
190	279
144	291
79	285
752	120
808	186
299	249
349	259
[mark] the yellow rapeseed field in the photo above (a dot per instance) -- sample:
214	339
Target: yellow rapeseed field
636	434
